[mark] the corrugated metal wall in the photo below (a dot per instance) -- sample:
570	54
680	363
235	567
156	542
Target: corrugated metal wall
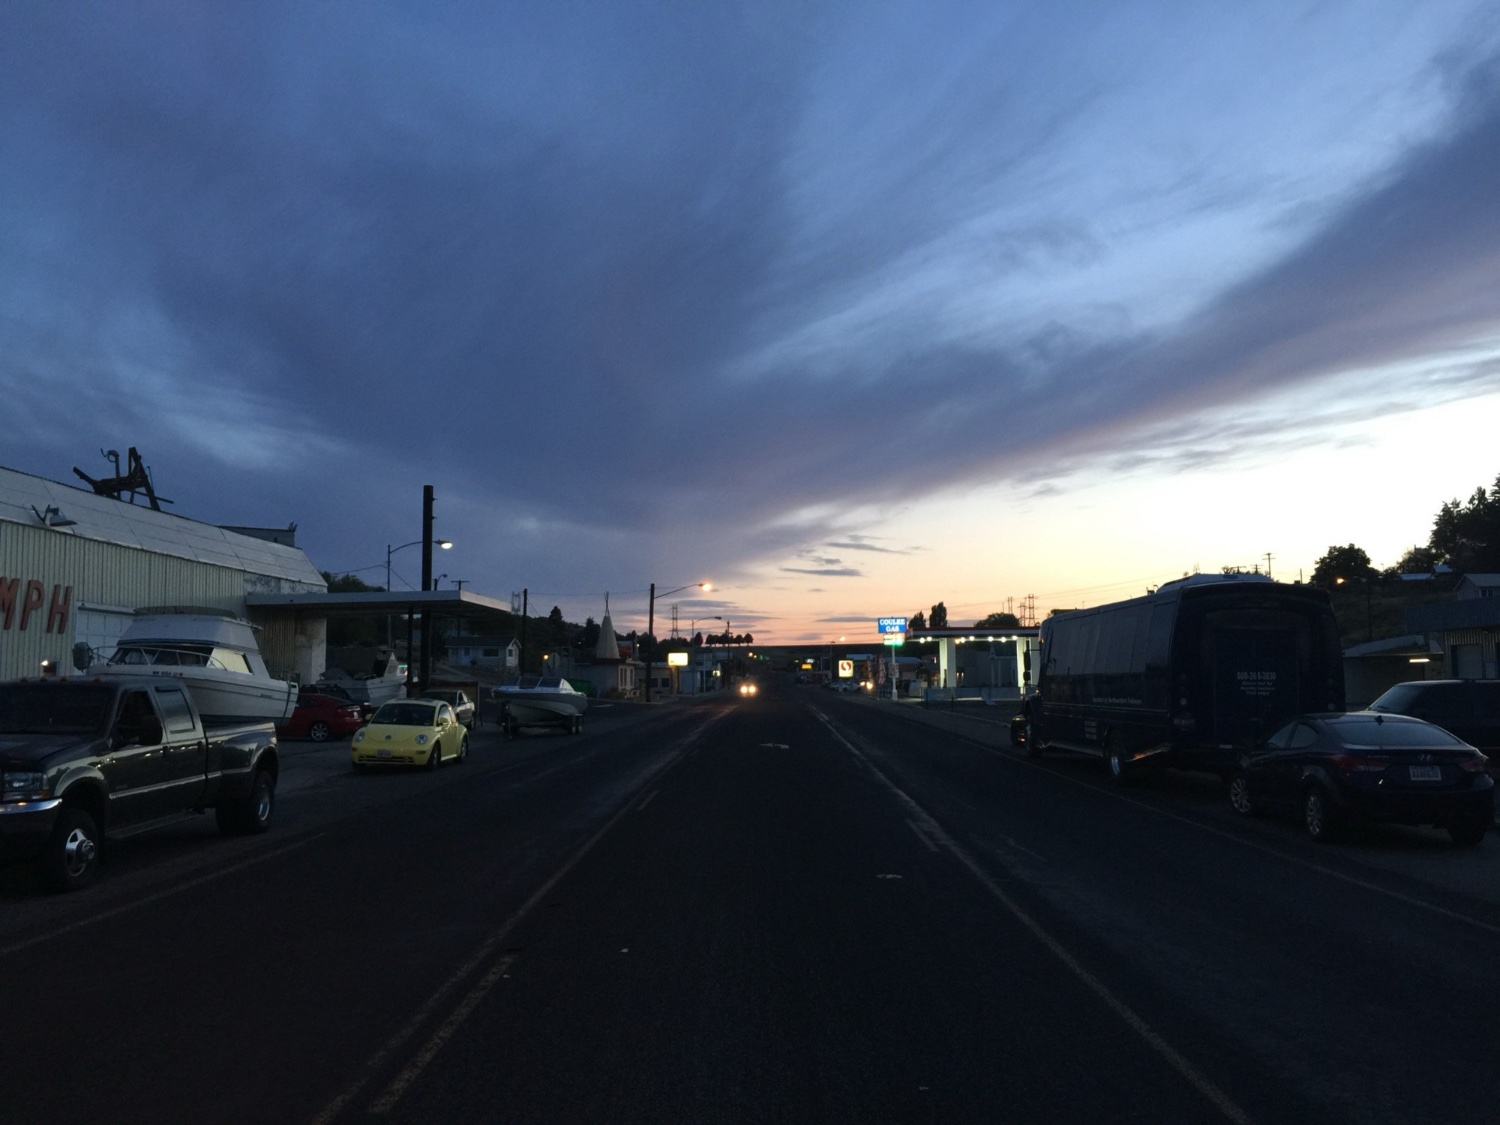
99	574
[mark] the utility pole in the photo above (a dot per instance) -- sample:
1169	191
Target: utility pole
525	607
427	498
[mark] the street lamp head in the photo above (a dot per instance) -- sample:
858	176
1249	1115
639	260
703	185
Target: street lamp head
444	544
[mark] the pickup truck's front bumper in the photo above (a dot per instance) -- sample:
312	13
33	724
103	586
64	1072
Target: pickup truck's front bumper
26	825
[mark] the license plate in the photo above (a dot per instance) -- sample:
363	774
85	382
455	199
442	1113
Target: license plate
384	753
1424	773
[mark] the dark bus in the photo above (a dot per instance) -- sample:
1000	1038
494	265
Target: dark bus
1187	676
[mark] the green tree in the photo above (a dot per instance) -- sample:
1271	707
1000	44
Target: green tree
938	618
999	621
1467	536
367	629
348	584
1418	560
1349	563
917	620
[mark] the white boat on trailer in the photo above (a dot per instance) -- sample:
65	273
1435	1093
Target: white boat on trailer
213	652
539	701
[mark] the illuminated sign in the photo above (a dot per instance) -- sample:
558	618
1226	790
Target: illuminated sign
677	659
891	624
894	640
846	669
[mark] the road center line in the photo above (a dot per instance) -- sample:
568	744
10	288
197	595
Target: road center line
1196	1078
413	1070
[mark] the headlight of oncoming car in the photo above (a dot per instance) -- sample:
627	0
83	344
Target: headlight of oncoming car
23	785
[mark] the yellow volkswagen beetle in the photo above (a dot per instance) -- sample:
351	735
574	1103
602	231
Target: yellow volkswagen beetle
410	732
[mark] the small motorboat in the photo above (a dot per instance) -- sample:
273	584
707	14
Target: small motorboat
539	701
214	653
385	681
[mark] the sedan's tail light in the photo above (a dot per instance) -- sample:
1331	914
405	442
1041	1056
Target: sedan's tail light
1359	763
1477	764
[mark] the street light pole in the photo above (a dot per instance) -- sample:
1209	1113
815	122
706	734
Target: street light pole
651	625
389	551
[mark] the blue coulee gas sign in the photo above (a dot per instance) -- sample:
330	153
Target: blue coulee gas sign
891	624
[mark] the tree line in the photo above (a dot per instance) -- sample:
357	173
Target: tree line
1465	537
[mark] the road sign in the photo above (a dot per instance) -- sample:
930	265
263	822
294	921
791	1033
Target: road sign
891	624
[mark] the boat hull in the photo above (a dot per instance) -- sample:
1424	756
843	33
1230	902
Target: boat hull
228	697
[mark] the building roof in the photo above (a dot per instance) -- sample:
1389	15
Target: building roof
32	501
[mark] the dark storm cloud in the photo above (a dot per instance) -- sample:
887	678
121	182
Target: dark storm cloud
578	270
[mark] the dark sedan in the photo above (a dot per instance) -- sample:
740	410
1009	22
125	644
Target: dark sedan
1336	770
321	717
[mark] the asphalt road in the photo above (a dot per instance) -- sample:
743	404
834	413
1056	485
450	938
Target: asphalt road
799	907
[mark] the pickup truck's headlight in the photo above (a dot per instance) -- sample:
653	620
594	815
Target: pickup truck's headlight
23	786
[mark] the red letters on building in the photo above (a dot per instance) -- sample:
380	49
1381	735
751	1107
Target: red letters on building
8	600
57	615
36	594
33	599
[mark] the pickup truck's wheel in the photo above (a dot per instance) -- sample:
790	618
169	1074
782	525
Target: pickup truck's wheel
72	857
318	732
252	815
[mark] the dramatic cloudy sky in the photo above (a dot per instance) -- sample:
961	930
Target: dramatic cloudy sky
848	306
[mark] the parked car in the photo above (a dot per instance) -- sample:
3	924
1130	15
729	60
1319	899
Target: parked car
341	693
463	706
1333	770
410	732
1469	709
321	717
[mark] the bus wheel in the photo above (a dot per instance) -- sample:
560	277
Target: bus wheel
1033	743
1120	770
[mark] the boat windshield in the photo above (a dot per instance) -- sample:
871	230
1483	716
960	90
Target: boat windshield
176	655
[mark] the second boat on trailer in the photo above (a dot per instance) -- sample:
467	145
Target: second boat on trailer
539	701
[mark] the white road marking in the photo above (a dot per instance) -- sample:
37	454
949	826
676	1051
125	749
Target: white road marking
649	798
409	1073
176	888
917	828
1195	1078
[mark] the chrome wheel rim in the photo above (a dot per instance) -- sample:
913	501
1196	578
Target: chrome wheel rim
1239	795
1312	813
79	851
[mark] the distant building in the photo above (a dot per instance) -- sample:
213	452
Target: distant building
501	653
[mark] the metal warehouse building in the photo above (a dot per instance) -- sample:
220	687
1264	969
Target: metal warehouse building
74	565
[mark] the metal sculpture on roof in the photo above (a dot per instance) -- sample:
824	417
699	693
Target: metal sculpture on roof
134	479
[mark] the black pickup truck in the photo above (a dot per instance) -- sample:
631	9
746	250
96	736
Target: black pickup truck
85	760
